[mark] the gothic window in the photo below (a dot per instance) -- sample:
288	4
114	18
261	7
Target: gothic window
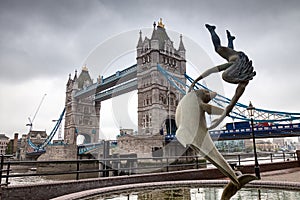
144	121
80	121
172	99
147	120
86	109
86	120
150	120
162	99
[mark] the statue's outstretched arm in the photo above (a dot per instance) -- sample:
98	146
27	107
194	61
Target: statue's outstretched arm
212	70
238	93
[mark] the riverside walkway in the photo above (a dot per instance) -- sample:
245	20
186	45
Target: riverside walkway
274	175
286	175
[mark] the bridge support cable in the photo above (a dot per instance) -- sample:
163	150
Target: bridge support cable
171	79
261	115
240	110
50	137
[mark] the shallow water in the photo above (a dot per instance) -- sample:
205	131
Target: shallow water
204	194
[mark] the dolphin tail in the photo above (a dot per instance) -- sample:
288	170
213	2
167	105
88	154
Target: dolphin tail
231	188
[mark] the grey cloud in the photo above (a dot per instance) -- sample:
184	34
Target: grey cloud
43	38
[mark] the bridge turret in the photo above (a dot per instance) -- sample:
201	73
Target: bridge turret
82	114
157	100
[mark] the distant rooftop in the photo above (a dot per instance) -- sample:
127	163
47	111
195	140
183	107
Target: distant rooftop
3	137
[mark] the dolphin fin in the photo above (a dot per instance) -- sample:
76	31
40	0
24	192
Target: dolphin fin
246	178
231	188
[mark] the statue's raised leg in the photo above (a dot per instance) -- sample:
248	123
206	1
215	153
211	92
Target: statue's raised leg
230	40
225	52
214	36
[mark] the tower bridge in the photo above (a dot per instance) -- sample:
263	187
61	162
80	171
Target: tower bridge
157	100
160	78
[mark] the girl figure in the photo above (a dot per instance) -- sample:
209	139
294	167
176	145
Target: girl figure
238	70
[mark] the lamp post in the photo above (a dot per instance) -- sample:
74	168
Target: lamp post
250	110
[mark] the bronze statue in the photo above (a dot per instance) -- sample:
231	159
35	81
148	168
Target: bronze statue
193	132
238	70
190	113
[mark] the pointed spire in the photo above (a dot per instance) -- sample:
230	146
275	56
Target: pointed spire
75	76
154	31
140	42
181	46
69	80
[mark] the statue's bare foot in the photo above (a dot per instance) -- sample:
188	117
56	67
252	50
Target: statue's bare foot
210	27
229	36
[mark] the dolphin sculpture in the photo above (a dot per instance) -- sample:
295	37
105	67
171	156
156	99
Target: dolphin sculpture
192	131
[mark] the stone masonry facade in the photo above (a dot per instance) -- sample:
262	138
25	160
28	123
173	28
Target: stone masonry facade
157	98
82	115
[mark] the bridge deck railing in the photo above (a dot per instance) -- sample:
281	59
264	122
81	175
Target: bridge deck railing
132	165
275	127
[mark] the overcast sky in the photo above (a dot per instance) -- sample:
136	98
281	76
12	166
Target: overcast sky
43	41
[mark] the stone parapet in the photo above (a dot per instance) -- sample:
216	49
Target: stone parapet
56	189
59	152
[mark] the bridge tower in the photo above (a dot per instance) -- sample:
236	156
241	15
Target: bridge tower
157	99
82	114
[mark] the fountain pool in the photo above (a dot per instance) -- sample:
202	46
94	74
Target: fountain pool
190	190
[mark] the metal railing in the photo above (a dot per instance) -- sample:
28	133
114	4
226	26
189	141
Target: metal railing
117	166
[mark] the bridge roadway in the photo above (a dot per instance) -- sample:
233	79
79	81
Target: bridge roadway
273	131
